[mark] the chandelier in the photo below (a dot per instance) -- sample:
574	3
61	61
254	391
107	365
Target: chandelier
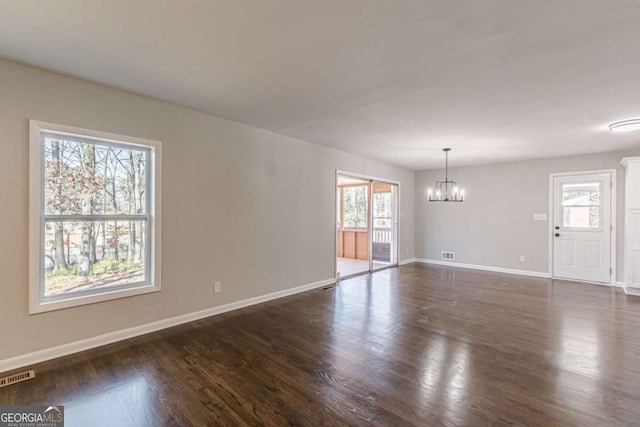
447	190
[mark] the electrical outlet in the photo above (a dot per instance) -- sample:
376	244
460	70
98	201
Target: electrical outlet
448	256
217	287
522	258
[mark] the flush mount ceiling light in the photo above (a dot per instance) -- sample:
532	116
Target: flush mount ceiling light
625	125
447	190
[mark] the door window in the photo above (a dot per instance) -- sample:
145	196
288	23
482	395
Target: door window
581	208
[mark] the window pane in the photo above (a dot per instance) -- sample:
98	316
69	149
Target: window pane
581	217
81	256
583	194
382	210
355	206
83	177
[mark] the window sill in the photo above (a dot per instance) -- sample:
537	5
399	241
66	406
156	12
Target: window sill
37	306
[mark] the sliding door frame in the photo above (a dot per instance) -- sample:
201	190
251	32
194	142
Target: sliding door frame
395	230
371	180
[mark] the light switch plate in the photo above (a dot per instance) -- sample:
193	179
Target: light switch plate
539	216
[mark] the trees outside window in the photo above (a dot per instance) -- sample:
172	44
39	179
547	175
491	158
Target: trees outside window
355	207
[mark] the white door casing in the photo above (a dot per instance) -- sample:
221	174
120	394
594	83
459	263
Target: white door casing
632	225
582	227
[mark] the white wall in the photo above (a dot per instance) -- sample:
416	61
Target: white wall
249	207
494	226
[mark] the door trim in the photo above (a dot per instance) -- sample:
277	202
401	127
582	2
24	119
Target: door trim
335	221
614	208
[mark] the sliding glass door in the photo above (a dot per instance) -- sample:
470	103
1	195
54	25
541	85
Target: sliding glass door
352	226
366	225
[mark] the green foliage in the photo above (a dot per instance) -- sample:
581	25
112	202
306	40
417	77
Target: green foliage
71	270
113	266
105	266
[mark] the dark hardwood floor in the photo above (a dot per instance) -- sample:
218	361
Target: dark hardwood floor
418	345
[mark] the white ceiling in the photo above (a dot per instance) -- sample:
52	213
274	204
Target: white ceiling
396	80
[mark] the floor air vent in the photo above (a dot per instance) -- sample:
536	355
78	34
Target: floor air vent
448	256
12	379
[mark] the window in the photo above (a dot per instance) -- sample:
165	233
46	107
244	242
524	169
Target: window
95	216
581	206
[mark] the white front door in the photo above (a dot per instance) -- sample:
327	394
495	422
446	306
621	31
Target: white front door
582	227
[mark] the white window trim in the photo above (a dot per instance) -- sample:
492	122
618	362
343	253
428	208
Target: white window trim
36	304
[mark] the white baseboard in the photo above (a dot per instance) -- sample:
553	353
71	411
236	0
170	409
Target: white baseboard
484	268
631	290
89	343
407	261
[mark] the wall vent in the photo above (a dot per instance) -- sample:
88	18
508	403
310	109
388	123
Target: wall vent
448	256
12	379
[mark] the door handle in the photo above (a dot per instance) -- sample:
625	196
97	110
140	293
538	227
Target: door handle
557	234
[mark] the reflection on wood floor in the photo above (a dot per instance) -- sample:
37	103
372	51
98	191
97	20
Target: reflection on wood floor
348	266
414	345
